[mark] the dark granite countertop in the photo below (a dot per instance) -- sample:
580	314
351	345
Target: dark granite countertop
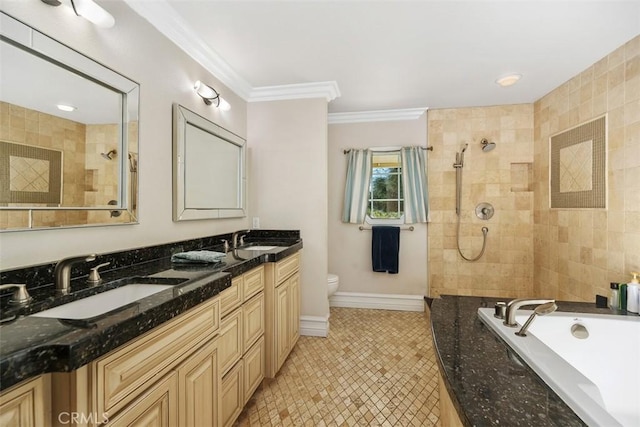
489	384
31	346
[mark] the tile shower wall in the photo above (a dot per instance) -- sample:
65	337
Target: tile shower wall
502	177
25	126
578	252
88	178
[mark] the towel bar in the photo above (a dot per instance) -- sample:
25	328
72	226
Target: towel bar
410	228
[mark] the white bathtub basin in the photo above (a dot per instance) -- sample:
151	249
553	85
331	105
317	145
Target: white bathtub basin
598	376
98	304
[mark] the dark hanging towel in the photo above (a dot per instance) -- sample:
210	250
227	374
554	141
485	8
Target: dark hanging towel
385	247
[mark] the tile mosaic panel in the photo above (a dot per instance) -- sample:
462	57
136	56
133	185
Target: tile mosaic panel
30	174
578	166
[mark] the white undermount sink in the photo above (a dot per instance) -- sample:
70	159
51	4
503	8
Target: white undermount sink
258	248
98	304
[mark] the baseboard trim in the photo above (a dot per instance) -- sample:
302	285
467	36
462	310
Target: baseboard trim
314	326
377	301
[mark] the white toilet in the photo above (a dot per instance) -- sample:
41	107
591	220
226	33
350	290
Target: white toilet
332	282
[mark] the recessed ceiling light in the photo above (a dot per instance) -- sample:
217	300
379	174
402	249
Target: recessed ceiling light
509	79
64	107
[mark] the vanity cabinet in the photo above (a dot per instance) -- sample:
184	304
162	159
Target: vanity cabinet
282	298
242	355
168	375
26	404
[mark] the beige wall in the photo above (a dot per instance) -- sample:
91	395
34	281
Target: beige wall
349	248
166	75
288	183
578	252
499	177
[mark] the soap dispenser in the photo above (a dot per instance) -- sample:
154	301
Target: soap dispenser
633	293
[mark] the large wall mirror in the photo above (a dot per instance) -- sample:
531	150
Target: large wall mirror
208	169
68	135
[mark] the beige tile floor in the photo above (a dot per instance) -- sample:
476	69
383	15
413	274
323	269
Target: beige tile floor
376	368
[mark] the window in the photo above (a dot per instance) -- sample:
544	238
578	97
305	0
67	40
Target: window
386	200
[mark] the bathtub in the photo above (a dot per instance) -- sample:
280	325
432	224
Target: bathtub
598	377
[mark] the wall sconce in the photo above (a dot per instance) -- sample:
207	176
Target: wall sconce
89	10
211	96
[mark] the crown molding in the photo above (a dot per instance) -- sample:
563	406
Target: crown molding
328	90
377	116
164	18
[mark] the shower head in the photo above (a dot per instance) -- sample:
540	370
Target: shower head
486	145
109	155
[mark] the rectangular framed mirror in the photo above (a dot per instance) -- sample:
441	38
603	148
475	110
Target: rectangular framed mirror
208	169
68	136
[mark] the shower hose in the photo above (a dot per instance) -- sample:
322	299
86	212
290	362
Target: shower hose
485	230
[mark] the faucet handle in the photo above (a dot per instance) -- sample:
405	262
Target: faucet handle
94	276
20	295
226	246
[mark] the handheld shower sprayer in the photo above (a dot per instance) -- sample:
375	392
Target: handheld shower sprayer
460	157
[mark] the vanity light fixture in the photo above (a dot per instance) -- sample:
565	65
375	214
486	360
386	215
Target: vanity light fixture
64	107
509	79
211	96
89	10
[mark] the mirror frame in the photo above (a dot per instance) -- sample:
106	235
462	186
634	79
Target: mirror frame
34	42
182	117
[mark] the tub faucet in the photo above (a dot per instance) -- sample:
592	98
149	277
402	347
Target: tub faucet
514	305
234	238
62	272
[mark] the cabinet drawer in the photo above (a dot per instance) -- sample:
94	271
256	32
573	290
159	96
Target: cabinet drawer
231	298
156	407
231	399
253	282
254	365
230	347
121	374
286	267
253	322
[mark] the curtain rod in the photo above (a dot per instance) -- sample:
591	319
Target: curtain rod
410	228
429	148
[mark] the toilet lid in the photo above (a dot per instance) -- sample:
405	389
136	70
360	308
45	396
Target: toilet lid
332	278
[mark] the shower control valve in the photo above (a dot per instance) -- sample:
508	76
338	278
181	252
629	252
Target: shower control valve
484	211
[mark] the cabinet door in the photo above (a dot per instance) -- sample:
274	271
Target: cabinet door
198	388
253	320
231	341
254	365
294	290
282	318
157	407
231	396
24	405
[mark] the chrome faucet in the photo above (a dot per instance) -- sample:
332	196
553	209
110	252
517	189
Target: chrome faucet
234	238
62	272
514	305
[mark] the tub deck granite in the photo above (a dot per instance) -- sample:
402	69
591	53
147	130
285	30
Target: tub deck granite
30	346
488	383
